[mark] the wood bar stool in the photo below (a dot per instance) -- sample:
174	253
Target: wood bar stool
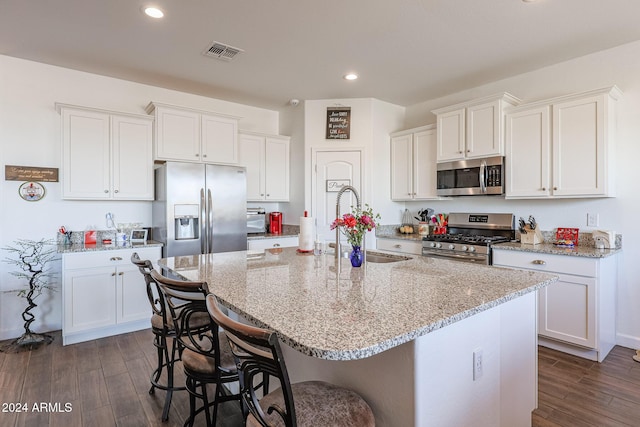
304	404
205	352
163	331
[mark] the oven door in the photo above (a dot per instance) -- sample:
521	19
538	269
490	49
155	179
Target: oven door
456	256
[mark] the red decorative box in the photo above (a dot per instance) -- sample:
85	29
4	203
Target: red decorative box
570	234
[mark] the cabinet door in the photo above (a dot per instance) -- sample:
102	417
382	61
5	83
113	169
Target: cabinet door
424	164
528	153
567	310
251	155
132	144
89	298
131	294
177	135
483	137
219	139
451	135
86	155
401	167
276	169
578	147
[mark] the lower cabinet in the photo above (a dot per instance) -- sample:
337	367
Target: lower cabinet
104	294
576	314
271	243
399	245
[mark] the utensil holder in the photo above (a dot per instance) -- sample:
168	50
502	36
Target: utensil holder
531	237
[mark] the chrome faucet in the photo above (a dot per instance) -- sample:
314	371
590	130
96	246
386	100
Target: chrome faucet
355	193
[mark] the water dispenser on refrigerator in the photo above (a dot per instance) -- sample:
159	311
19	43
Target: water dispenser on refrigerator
186	222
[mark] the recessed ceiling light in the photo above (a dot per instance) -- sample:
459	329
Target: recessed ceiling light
153	12
350	76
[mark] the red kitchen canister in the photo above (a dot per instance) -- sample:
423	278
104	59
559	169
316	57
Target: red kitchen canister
275	222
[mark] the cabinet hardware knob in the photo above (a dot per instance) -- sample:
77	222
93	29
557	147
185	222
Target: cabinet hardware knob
544	189
197	155
115	258
539	262
120	274
117	191
268	194
468	151
204	155
106	191
408	194
113	274
555	188
261	194
414	194
276	245
397	246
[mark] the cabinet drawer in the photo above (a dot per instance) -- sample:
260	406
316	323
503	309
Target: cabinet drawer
262	244
108	258
404	246
578	266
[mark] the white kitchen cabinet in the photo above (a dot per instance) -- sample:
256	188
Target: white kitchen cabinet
106	155
413	247
413	164
576	314
563	147
472	129
266	158
104	294
185	134
272	243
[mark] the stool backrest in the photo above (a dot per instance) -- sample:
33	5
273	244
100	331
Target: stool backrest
257	351
186	303
156	299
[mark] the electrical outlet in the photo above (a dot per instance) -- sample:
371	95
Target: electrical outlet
592	220
477	364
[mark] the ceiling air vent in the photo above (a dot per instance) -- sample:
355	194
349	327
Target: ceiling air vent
222	51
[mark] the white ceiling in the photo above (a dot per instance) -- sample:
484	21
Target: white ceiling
405	51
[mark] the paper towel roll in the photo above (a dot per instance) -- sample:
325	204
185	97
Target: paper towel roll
305	240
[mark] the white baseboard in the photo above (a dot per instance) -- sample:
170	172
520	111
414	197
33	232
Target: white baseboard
628	341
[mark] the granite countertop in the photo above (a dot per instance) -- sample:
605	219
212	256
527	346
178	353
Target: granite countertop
549	248
350	313
81	247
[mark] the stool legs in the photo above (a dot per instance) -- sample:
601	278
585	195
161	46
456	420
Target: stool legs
165	360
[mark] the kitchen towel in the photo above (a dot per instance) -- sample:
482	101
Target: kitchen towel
305	240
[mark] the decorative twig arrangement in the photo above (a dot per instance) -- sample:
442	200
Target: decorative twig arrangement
32	257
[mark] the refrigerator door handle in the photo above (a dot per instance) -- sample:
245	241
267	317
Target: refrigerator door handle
203	225
210	221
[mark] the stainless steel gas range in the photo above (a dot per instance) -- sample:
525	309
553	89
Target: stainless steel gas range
470	237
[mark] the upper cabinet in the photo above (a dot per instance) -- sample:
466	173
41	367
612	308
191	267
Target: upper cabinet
472	129
185	134
563	147
413	164
266	158
106	155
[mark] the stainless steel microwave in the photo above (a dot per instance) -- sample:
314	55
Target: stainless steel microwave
472	177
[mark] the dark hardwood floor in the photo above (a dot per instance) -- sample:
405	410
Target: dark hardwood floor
106	381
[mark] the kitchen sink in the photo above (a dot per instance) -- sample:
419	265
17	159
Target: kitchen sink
378	257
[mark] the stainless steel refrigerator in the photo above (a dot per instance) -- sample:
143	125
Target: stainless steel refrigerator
200	208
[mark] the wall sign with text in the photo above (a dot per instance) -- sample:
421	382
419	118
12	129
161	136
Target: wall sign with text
338	122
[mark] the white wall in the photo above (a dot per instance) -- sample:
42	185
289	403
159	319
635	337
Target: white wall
619	66
30	136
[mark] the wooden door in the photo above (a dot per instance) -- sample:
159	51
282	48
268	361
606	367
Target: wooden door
332	168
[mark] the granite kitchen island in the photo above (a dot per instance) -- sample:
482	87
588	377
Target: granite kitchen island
402	334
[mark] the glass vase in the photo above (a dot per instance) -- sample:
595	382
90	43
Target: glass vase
356	256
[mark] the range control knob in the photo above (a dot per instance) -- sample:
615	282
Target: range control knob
464	249
472	249
452	247
438	245
432	244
